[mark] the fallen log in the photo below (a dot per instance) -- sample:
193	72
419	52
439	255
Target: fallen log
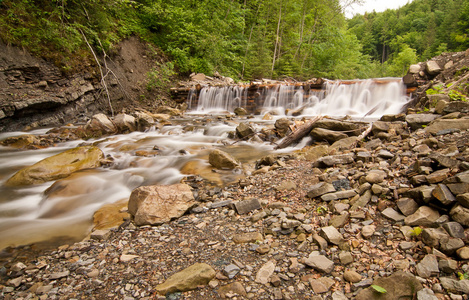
298	134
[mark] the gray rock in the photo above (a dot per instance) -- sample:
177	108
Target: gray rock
331	234
443	124
460	214
362	201
390	213
448	265
231	270
424	216
407	206
463	253
246	206
458	188
432	236
320	263
333	160
437	176
426	294
443	194
346	257
416	121
456	106
453	285
428	266
352	276
338	195
463	199
368	231
449	245
320	189
432	68
125	123
454	229
385	154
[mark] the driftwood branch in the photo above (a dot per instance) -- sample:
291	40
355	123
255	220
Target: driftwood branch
298	134
363	135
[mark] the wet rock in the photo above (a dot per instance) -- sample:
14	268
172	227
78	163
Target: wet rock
321	134
25	141
222	160
187	279
320	263
428	266
144	121
244	130
240	111
424	216
265	272
460	214
111	215
58	166
282	127
398	285
160	203
168	111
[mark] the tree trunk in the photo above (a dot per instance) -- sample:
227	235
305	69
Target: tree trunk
277	39
298	134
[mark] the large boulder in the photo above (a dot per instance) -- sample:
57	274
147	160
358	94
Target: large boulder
188	279
244	130
125	123
416	121
222	160
157	204
443	124
100	124
58	166
400	285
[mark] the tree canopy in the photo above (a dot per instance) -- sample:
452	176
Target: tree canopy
245	39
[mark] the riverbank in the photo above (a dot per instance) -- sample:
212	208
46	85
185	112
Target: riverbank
336	220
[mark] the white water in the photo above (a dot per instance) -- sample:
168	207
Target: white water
365	98
28	216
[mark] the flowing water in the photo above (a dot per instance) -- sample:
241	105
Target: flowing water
163	156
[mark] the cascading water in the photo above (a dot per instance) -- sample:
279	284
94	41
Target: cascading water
225	98
372	98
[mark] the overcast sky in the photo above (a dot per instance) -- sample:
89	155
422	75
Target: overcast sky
377	5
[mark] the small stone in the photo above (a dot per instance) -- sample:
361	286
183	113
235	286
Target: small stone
320	263
463	252
127	257
59	275
249	237
264	273
448	265
407	206
275	280
263	249
375	176
320	189
352	276
246	206
424	216
331	234
428	266
390	213
235	288
368	231
231	270
426	294
346	257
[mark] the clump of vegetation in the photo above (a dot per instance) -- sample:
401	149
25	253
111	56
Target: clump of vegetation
160	76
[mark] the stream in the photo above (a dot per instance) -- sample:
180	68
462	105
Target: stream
163	156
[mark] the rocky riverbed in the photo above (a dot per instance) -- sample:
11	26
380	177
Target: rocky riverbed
381	216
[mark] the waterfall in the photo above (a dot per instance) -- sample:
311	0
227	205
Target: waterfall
358	98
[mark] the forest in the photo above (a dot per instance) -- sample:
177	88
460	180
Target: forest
244	39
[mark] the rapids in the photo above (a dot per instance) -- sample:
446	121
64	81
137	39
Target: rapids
165	156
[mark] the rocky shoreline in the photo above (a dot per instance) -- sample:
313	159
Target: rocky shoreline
376	217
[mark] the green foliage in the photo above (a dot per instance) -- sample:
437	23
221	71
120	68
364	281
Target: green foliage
416	231
321	210
463	276
456	96
379	289
160	76
437	89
